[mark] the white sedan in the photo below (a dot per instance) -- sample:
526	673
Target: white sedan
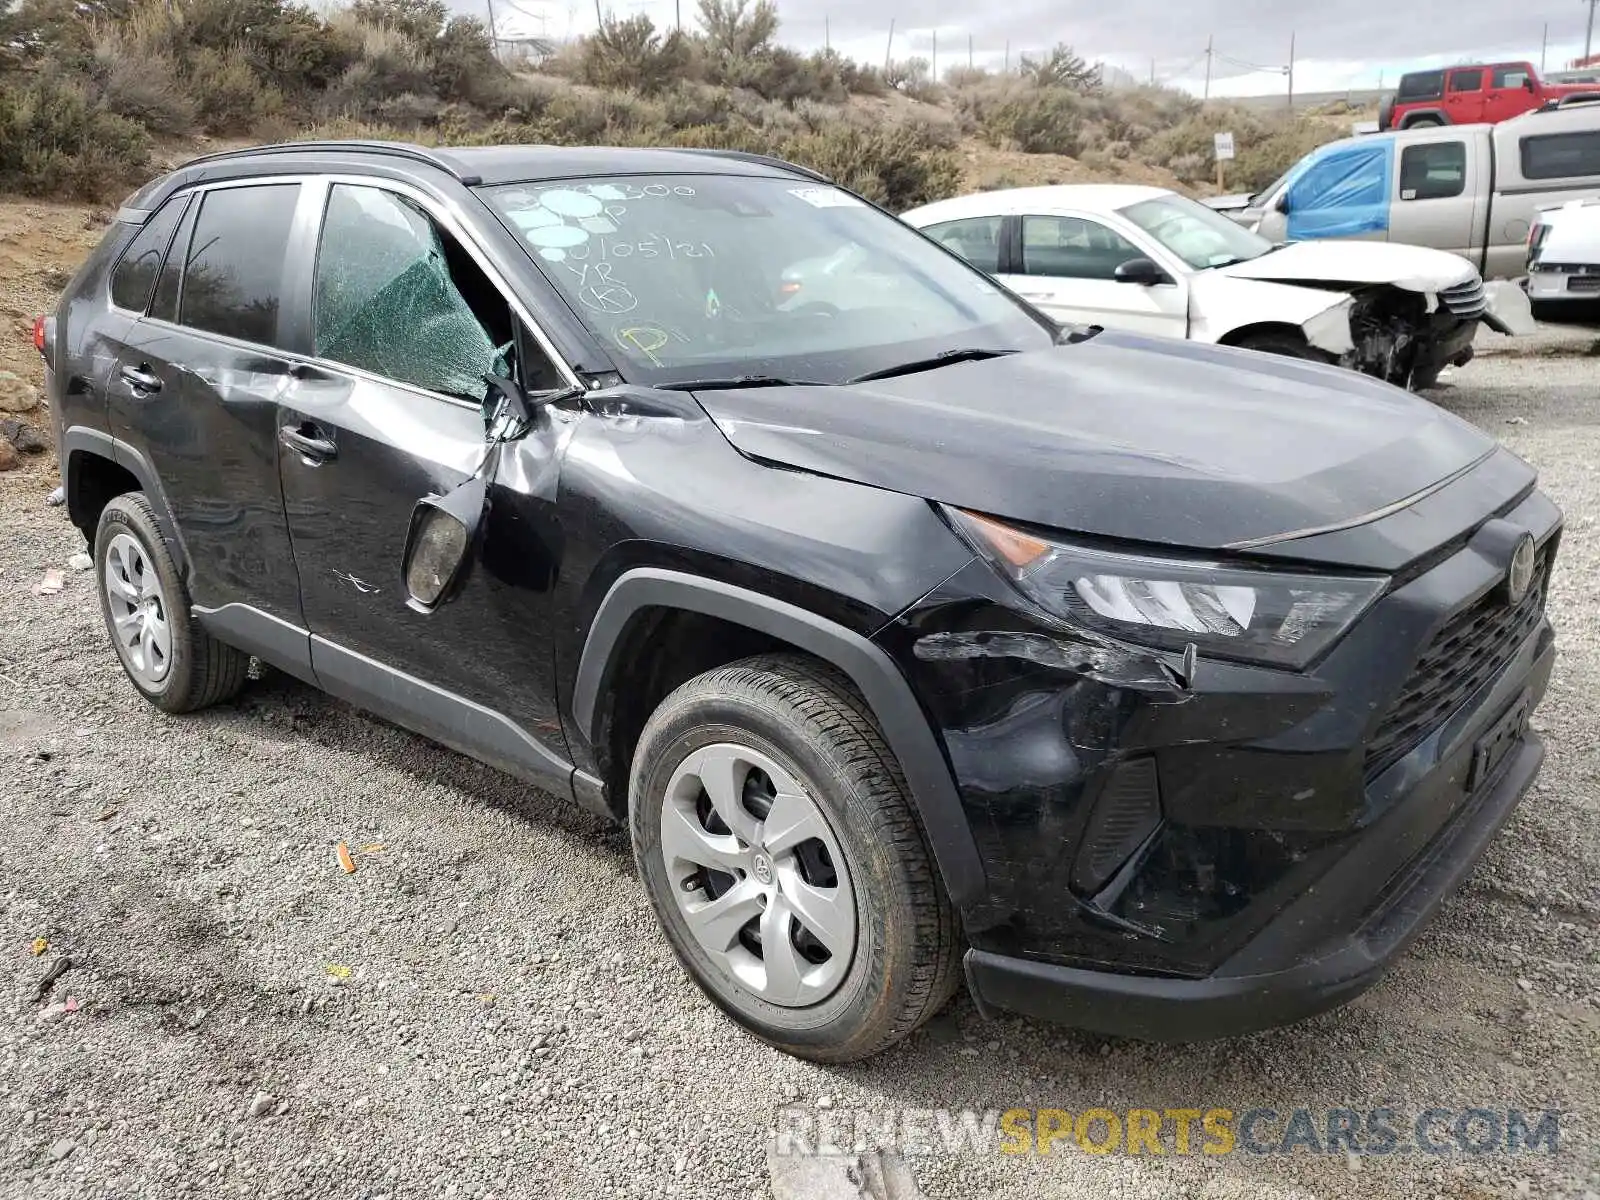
1150	261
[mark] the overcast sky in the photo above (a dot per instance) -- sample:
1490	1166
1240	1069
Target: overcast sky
1344	45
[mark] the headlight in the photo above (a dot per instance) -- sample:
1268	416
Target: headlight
1227	612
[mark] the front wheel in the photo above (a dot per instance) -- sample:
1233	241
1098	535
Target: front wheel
1283	343
775	834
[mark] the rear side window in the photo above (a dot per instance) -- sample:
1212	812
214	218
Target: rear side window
136	273
1466	81
976	239
233	277
1510	77
1421	85
1433	172
1561	155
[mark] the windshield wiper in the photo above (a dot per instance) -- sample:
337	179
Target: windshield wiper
971	354
733	382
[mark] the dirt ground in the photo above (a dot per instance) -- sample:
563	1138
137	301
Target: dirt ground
485	1009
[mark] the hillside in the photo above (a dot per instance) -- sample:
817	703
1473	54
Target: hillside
96	95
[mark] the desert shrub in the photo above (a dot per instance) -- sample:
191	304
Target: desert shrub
56	139
966	77
1060	68
1036	120
738	29
462	65
688	104
227	95
419	20
631	54
144	87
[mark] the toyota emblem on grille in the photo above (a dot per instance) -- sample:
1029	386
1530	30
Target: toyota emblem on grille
1521	573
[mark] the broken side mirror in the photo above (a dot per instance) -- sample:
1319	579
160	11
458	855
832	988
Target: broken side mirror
1141	271
444	530
508	410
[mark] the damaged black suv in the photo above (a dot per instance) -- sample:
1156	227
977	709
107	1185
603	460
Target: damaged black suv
1158	688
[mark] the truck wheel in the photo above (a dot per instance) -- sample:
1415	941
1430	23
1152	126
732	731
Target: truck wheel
1422	123
173	662
776	838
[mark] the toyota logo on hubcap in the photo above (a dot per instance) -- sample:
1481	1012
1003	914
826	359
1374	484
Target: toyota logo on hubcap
761	867
1520	576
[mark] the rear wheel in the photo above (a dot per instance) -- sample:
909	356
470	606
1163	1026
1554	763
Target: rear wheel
775	835
173	662
1423	123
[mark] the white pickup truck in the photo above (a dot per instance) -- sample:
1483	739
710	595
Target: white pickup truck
1564	258
1469	189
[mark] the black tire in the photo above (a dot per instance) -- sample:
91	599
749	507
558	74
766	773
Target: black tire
1282	342
809	720
1423	123
202	671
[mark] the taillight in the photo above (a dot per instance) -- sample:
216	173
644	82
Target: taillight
38	334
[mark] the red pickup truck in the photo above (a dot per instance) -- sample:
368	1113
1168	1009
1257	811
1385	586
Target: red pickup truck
1468	95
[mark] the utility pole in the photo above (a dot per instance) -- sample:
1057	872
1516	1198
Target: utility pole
1588	37
827	33
1209	40
1291	71
969	52
1544	45
677	16
494	39
1152	72
599	20
1008	57
933	67
888	54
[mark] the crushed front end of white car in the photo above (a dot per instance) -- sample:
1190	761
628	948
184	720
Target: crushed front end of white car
1400	313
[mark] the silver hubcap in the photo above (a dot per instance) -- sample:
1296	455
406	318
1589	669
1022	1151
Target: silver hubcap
758	875
138	610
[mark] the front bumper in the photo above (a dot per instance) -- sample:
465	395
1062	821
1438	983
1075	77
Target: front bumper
1243	998
1291	832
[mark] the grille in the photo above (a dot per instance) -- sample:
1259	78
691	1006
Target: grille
1465	299
1470	650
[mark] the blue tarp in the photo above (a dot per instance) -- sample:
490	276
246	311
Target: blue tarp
1343	193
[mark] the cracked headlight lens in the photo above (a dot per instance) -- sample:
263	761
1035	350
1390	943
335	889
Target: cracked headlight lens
1258	616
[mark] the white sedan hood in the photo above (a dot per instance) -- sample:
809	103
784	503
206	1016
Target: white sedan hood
1413	268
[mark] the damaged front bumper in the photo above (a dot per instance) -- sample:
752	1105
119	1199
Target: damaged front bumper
1177	851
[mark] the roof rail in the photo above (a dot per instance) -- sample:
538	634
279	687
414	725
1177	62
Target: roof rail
765	160
407	150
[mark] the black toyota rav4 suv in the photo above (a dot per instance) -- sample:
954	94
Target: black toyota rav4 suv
1161	689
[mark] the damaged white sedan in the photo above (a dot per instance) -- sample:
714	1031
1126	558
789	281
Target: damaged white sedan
1150	261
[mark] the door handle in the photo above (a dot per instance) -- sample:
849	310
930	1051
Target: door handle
141	379
314	447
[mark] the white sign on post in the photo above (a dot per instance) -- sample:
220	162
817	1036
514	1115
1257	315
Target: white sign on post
1224	144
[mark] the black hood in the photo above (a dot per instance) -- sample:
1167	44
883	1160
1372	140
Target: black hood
1120	436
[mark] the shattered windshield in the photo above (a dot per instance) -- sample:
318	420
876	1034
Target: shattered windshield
699	276
1201	236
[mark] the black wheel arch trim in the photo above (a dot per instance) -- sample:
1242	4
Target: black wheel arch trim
1410	118
900	717
81	439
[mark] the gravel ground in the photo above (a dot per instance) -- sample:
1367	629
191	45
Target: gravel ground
485	1007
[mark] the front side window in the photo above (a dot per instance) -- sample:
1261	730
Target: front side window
1073	248
1466	81
136	274
1561	155
1433	172
396	296
714	276
233	275
1201	236
976	239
